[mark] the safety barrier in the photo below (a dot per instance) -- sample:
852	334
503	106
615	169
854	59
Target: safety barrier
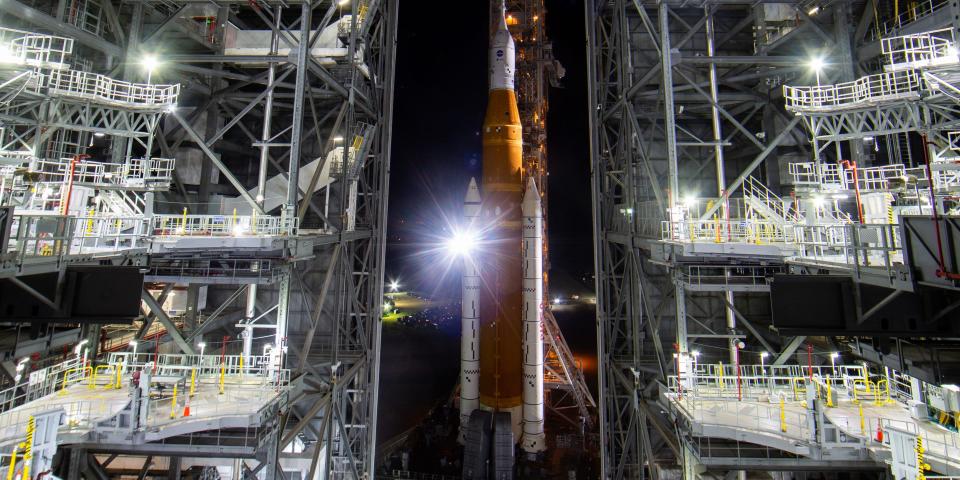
821	175
829	176
726	231
103	89
236	368
863	92
850	244
35	236
927	49
138	172
222	225
911	12
695	276
34	49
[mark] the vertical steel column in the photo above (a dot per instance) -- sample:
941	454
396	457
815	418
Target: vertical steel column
296	133
681	306
268	110
718	157
592	17
251	306
669	117
846	65
283	307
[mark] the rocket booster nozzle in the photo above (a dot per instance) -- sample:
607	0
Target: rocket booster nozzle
502	55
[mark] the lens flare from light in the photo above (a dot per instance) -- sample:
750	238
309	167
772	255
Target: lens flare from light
462	244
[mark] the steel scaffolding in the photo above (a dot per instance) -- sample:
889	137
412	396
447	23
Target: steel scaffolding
695	147
245	146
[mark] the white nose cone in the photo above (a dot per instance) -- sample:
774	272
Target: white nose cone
502	56
531	206
473	193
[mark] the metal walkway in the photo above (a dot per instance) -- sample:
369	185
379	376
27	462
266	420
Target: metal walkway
821	415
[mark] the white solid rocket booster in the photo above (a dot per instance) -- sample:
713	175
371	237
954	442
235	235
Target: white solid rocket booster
533	439
469	320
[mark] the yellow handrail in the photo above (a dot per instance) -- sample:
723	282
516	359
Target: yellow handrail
223	373
96	372
119	375
173	402
13	461
28	451
783	417
193	381
66	377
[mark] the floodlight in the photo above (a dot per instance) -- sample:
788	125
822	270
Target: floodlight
461	244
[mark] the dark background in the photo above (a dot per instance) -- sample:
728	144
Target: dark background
441	93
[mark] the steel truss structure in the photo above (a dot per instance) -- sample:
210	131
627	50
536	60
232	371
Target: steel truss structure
687	111
274	230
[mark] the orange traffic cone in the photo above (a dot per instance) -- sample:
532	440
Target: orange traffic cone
879	432
186	410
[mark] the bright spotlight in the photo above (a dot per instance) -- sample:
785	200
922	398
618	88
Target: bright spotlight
461	244
818	201
343	3
150	63
6	55
816	64
394	286
387	307
337	139
689	201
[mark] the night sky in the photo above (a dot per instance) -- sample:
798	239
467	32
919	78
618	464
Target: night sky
440	100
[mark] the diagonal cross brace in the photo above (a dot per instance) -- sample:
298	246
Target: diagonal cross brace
162	316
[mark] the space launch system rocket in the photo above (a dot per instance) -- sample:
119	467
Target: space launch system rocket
502	344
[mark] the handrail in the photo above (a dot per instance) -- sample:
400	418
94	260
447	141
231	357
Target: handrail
753	188
222	225
137	172
862	92
87	85
34	49
926	49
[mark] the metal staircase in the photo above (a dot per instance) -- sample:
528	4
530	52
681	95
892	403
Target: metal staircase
122	203
767	204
